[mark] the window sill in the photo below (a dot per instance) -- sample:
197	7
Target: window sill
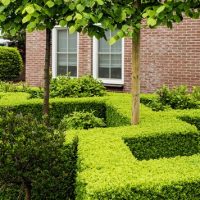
113	85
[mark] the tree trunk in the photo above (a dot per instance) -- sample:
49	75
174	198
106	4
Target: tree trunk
27	189
136	79
46	77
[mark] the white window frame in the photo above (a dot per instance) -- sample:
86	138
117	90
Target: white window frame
54	50
95	65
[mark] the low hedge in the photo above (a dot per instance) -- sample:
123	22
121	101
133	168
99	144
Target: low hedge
10	63
20	103
107	169
106	166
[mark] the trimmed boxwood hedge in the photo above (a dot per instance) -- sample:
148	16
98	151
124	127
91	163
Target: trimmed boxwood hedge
10	63
20	103
106	167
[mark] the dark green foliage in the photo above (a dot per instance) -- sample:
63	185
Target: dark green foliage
34	92
171	145
81	120
176	98
114	118
196	93
10	63
34	155
60	108
194	120
86	86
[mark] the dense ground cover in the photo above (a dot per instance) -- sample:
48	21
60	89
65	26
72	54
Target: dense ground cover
158	159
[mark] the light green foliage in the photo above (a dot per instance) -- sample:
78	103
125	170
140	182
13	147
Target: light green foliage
62	86
161	160
169	12
34	92
196	93
86	86
10	63
32	15
21	103
34	156
175	98
167	150
80	120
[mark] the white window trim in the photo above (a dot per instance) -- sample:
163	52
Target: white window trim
95	65
54	50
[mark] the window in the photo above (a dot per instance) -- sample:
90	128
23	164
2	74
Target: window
108	60
64	52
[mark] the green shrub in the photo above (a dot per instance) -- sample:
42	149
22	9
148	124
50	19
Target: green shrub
108	170
18	103
35	159
176	98
160	146
34	92
196	93
86	86
81	120
10	63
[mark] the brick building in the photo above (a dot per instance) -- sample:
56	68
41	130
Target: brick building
170	57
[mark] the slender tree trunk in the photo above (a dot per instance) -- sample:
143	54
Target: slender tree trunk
46	77
27	189
136	80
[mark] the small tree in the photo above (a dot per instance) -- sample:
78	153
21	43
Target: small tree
32	156
127	17
33	15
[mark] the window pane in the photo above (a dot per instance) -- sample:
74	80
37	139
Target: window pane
72	42
103	45
117	47
62	64
62	70
72	71
103	72
110	59
72	59
62	41
116	61
116	65
104	60
62	59
116	73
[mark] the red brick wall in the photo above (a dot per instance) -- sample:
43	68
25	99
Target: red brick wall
35	58
170	57
85	55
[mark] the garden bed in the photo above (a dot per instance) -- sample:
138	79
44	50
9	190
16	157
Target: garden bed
158	159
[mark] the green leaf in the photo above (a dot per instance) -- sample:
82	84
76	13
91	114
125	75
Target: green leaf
27	18
30	9
112	41
78	16
151	22
5	2
160	9
69	18
72	29
80	8
120	34
50	4
62	23
100	2
2	18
